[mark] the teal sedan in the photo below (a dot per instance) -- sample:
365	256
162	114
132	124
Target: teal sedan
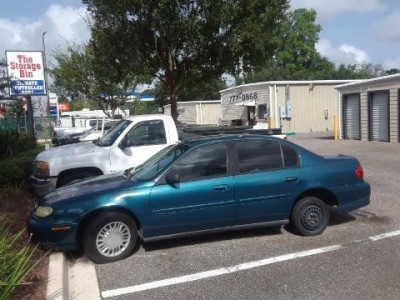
199	186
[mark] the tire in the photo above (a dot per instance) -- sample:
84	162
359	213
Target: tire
103	241
310	216
73	176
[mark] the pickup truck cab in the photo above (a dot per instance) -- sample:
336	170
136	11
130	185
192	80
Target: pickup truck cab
126	145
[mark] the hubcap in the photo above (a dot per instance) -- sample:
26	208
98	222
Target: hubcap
113	239
313	217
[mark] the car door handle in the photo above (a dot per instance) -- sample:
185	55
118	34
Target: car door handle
292	179
221	188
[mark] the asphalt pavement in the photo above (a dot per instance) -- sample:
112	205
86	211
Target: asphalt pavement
351	260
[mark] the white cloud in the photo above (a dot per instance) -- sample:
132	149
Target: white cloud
388	29
326	9
392	63
62	23
345	53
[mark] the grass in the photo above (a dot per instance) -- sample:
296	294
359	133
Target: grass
17	256
15	262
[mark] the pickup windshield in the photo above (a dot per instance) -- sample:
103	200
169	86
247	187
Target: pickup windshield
156	164
109	138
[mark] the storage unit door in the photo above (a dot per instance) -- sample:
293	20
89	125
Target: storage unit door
379	117
352	117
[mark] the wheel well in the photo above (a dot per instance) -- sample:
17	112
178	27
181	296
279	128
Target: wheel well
92	170
325	195
83	223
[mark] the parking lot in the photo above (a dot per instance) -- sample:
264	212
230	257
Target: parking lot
356	257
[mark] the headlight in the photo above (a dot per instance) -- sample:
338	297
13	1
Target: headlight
43	211
42	169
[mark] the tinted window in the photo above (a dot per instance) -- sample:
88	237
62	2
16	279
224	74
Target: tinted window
290	156
255	156
205	162
147	133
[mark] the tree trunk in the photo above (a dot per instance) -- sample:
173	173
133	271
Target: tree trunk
173	95
173	98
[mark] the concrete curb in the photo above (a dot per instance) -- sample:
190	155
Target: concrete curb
57	285
71	280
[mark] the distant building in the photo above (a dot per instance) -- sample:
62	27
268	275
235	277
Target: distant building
197	112
369	110
296	106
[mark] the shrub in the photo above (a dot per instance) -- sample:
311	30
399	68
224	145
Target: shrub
12	142
14	170
16	262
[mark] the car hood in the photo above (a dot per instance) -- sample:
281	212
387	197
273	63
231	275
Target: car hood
104	184
67	150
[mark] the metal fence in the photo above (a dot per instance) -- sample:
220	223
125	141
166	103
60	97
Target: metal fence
43	127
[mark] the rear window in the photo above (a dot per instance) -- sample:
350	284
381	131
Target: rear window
290	156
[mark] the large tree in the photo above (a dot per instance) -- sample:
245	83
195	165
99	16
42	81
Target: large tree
91	72
178	41
296	56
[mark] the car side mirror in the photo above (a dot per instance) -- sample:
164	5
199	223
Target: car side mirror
173	179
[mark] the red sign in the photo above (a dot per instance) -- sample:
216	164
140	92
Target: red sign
63	106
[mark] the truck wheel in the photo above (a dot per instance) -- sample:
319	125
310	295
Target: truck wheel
310	216
111	236
72	176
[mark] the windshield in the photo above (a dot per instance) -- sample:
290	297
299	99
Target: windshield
155	164
109	138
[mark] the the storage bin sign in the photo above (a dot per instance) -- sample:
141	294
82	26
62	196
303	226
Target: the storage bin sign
26	72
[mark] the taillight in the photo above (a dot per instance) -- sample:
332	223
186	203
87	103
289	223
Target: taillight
359	172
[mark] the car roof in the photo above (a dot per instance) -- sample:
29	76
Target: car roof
139	118
201	140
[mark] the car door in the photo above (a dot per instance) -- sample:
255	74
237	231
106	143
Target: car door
267	178
141	142
203	198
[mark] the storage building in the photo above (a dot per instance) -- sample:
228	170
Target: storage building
296	106
369	109
197	112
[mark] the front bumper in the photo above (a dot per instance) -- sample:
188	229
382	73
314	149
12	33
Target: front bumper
43	186
45	233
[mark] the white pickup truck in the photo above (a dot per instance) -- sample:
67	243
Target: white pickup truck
128	144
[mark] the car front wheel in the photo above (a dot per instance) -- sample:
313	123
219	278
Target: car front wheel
310	216
111	236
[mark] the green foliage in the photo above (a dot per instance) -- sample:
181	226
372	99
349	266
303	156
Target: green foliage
15	263
94	74
296	57
181	42
81	103
142	108
4	79
12	142
16	169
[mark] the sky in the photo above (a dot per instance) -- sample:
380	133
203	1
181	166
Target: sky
354	31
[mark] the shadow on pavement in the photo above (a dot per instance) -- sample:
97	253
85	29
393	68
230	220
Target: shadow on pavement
213	237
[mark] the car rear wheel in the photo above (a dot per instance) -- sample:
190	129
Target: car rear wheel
110	237
310	216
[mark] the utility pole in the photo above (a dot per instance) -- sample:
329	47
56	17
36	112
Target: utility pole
30	130
46	80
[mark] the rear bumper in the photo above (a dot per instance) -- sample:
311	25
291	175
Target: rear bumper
353	196
43	186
